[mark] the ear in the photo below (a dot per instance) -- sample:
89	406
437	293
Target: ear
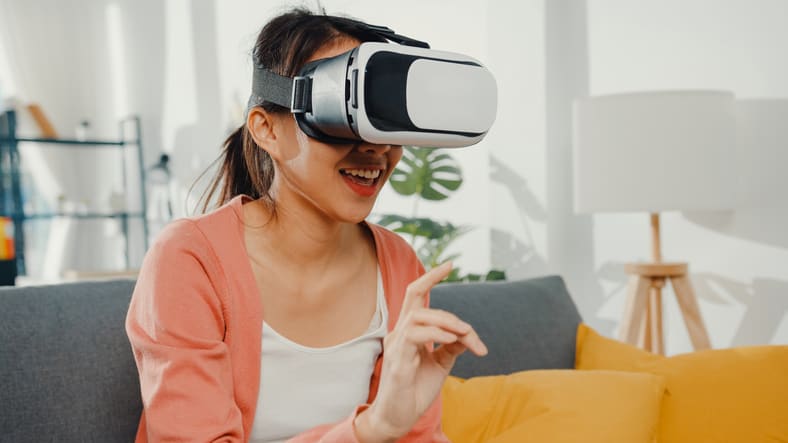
265	129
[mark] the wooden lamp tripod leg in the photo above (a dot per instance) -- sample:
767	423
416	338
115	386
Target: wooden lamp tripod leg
655	301
657	339
634	309
646	340
691	312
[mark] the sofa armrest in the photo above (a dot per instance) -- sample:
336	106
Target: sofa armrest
67	368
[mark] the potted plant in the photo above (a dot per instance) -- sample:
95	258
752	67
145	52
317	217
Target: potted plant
430	174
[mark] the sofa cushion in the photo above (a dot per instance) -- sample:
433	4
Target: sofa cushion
738	394
554	406
67	368
526	324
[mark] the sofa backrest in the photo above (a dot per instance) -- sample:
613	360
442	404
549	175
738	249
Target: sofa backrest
526	324
66	366
68	374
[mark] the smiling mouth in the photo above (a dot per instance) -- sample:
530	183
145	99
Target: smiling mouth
362	176
362	181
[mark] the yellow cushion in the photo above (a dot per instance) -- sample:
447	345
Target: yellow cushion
553	406
725	395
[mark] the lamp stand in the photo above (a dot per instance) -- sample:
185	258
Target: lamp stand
642	323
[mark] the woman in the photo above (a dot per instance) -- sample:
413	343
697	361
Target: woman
267	319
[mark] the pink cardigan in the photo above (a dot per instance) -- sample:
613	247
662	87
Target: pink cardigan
195	324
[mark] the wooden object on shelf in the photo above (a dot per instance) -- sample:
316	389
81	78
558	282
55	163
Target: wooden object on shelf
642	322
44	125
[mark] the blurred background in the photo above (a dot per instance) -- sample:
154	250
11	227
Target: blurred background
184	69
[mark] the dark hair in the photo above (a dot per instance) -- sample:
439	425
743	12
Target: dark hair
284	45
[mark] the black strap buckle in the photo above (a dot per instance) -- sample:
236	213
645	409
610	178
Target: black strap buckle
301	101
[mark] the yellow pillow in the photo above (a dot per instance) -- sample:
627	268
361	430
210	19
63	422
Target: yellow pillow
725	395
553	406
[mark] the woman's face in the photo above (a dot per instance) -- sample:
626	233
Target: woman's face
341	181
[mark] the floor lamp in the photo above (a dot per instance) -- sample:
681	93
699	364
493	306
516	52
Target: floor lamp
654	152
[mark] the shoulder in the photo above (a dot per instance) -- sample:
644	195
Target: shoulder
177	237
181	278
391	242
199	234
391	239
180	253
192	245
396	252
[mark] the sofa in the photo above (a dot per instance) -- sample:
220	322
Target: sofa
68	374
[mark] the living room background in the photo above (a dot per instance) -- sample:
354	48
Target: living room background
184	67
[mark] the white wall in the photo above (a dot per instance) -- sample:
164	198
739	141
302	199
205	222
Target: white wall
738	260
518	159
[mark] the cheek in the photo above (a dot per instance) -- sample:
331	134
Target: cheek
316	159
395	154
290	145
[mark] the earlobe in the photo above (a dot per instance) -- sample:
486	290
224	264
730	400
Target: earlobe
261	126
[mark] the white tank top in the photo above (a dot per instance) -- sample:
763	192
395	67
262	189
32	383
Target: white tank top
302	387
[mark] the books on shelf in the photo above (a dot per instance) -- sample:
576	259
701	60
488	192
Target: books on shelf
7	251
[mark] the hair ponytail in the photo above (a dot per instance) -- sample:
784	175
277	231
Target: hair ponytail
245	169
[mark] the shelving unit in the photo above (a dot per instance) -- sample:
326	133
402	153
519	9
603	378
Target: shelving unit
11	201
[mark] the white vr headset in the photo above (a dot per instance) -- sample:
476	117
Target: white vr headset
387	93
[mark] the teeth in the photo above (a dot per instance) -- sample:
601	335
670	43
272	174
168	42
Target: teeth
365	173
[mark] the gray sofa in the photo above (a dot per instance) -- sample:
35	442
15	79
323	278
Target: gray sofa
68	375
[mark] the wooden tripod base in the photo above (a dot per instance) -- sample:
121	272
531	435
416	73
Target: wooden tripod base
642	323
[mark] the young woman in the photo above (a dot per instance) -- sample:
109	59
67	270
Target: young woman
282	315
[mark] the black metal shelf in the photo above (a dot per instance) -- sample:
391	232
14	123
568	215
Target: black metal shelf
63	141
76	215
11	204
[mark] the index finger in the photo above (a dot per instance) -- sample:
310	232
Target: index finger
417	289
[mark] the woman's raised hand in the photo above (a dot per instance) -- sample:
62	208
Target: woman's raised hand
413	373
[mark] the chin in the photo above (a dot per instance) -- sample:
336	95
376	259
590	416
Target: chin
358	217
355	214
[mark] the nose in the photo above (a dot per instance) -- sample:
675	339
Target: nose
369	148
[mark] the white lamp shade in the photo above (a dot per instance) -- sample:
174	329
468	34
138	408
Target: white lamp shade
654	151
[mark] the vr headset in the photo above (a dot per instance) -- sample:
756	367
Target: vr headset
399	93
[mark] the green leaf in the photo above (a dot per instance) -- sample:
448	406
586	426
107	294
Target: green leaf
454	276
495	274
427	172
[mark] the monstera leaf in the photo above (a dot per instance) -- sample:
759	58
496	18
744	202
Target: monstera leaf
428	173
429	237
419	226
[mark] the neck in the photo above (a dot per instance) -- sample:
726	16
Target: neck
298	234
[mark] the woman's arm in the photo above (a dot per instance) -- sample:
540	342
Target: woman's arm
176	328
406	406
413	372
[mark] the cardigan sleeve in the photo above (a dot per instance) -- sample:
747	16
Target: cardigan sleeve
426	430
176	327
